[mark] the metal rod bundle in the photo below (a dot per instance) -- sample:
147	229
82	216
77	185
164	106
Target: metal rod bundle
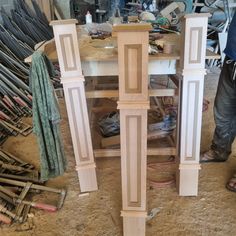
19	33
31	23
12	27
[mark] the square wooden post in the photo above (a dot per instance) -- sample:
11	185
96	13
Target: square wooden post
73	84
133	105
192	66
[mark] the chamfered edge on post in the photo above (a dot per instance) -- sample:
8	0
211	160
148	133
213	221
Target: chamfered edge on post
195	15
64	22
132	27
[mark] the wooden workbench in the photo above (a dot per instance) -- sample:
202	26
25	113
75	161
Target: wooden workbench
100	57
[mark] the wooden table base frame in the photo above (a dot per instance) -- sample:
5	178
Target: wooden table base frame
133	105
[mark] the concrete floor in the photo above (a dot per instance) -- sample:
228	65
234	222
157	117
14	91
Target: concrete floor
212	212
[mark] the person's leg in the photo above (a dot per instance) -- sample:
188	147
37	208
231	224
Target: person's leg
224	115
114	7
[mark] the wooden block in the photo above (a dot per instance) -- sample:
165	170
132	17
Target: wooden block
137	28
134	224
87	178
187	179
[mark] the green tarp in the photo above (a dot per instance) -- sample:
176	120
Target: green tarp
46	117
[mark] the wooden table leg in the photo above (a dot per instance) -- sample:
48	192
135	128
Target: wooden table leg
133	105
73	84
192	64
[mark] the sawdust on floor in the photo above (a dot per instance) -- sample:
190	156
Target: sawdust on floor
212	212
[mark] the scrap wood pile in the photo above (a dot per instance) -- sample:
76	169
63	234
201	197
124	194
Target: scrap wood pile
20	31
19	183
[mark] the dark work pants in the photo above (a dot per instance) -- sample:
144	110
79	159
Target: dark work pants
225	111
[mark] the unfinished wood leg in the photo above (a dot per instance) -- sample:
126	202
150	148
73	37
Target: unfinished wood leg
134	224
193	71
133	104
133	170
73	84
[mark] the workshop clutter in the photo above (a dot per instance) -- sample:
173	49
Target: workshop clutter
19	184
110	124
165	17
20	31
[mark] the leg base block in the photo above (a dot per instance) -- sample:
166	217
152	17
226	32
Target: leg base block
134	223
187	179
87	178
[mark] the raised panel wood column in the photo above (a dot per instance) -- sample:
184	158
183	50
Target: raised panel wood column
133	105
192	66
73	84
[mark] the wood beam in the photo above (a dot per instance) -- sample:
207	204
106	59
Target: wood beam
73	85
115	93
165	151
192	65
133	105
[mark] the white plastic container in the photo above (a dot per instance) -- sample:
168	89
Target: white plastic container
88	18
154	5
